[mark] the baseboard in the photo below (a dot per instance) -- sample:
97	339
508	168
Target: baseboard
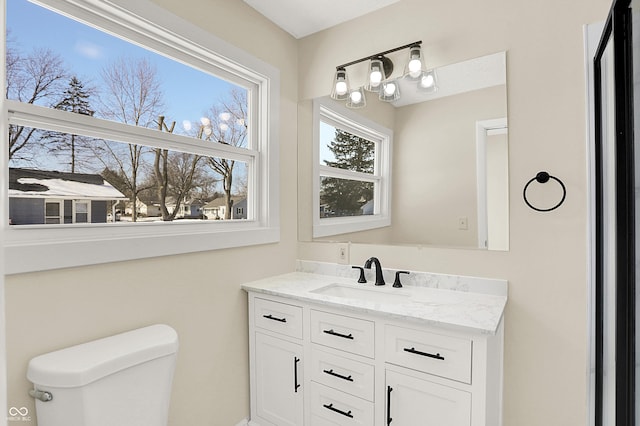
243	422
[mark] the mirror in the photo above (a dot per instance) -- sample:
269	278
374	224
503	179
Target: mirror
449	160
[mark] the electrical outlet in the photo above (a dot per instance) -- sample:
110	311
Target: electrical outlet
343	254
463	223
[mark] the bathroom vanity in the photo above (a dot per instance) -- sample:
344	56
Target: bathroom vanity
325	350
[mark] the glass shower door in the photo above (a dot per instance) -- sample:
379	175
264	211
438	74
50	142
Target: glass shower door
616	182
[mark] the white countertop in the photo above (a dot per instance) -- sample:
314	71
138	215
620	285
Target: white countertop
464	311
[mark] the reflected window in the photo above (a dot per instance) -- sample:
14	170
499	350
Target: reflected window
352	192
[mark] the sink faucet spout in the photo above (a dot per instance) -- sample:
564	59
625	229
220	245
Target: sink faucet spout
376	263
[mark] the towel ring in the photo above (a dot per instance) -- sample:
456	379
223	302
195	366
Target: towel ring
543	177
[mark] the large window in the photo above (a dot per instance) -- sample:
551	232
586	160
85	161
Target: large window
116	123
353	172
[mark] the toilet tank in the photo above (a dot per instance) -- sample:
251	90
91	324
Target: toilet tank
122	380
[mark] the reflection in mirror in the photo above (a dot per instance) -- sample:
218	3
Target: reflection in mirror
449	161
351	172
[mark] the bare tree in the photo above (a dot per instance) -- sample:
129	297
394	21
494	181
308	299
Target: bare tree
227	123
176	174
133	95
37	78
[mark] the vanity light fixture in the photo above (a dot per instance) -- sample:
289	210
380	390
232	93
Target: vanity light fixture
379	77
390	91
340	90
427	81
414	67
379	69
357	99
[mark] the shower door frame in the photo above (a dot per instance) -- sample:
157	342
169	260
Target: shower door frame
618	29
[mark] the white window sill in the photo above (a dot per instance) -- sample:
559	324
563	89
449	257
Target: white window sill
334	226
44	248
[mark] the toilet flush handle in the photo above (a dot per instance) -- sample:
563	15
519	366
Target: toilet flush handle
43	396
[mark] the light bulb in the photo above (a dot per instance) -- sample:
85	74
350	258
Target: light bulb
186	125
389	89
427	81
224	127
375	78
341	87
415	67
225	116
205	121
356	97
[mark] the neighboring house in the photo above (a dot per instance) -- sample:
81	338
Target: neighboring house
217	208
48	197
367	208
187	208
145	207
325	210
151	208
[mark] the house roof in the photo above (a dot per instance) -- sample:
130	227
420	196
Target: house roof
219	202
44	183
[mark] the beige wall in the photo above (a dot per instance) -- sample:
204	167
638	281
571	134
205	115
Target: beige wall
198	294
434	167
546	317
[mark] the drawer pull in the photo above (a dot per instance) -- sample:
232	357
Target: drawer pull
334	333
296	385
414	351
271	317
335	410
340	376
389	419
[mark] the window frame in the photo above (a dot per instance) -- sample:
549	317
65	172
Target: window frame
340	117
43	247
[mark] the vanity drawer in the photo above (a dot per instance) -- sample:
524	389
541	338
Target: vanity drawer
332	407
279	317
341	332
444	356
353	377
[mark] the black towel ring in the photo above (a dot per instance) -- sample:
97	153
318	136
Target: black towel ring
543	177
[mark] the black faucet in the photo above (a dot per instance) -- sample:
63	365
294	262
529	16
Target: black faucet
376	262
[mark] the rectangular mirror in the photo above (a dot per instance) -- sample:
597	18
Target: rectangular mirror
448	173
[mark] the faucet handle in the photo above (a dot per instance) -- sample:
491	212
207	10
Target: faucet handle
396	282
362	279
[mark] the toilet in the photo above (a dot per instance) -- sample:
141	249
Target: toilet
122	380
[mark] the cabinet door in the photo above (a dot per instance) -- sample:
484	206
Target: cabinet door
412	401
278	381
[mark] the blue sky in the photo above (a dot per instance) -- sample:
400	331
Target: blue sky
188	93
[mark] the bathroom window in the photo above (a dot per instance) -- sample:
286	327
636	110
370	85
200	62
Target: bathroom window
142	123
353	171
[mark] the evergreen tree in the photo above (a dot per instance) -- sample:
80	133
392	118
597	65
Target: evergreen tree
75	99
346	197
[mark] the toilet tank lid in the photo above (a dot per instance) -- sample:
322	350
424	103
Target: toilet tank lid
82	364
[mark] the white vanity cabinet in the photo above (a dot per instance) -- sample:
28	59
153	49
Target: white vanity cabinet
278	380
277	363
413	401
322	364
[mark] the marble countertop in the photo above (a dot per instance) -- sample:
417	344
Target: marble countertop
464	311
